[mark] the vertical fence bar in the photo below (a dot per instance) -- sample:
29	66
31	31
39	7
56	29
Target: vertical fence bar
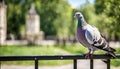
36	63
108	63
0	65
91	64
75	64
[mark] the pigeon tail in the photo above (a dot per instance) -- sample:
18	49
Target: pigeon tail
111	52
111	55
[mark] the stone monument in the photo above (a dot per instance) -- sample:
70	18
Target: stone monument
2	22
33	32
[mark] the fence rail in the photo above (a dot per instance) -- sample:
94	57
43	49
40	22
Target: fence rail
59	57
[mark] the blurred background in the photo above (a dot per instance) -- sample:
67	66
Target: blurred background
31	27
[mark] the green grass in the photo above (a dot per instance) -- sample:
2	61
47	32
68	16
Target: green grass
47	50
116	62
37	50
32	50
75	49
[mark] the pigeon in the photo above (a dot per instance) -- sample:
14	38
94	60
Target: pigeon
90	37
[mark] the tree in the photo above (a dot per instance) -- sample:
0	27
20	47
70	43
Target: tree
88	11
55	16
110	11
63	21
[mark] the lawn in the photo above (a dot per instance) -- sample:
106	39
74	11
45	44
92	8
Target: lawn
39	50
46	50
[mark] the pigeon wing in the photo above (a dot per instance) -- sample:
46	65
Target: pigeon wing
92	34
93	37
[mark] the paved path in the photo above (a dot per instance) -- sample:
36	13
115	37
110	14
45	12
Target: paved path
82	64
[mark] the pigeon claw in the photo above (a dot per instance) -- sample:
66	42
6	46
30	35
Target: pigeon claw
88	55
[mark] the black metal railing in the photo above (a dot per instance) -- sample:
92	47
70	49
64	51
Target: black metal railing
59	57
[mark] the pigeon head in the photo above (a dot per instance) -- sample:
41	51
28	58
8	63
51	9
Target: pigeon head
78	15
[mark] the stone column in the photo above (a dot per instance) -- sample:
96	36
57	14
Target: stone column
32	25
2	22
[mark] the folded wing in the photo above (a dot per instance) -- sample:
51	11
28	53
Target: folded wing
92	35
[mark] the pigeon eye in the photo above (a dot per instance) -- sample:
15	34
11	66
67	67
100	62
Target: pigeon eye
78	14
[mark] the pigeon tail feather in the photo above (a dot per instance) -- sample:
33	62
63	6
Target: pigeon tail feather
111	54
113	50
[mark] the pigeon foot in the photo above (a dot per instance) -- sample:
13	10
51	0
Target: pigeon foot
88	55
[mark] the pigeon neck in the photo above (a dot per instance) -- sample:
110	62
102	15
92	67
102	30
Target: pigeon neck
81	23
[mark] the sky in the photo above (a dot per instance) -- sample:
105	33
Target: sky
77	3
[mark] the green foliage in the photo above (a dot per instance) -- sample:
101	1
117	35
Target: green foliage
99	5
55	16
16	11
109	10
88	11
63	21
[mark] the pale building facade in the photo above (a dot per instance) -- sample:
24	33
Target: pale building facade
33	32
2	22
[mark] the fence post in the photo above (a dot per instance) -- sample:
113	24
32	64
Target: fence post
36	63
91	63
108	63
75	64
0	65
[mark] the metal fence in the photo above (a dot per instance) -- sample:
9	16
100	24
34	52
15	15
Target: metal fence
59	57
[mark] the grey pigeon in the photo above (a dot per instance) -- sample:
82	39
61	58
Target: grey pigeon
90	37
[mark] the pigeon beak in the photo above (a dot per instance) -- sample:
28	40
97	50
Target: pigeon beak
74	16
